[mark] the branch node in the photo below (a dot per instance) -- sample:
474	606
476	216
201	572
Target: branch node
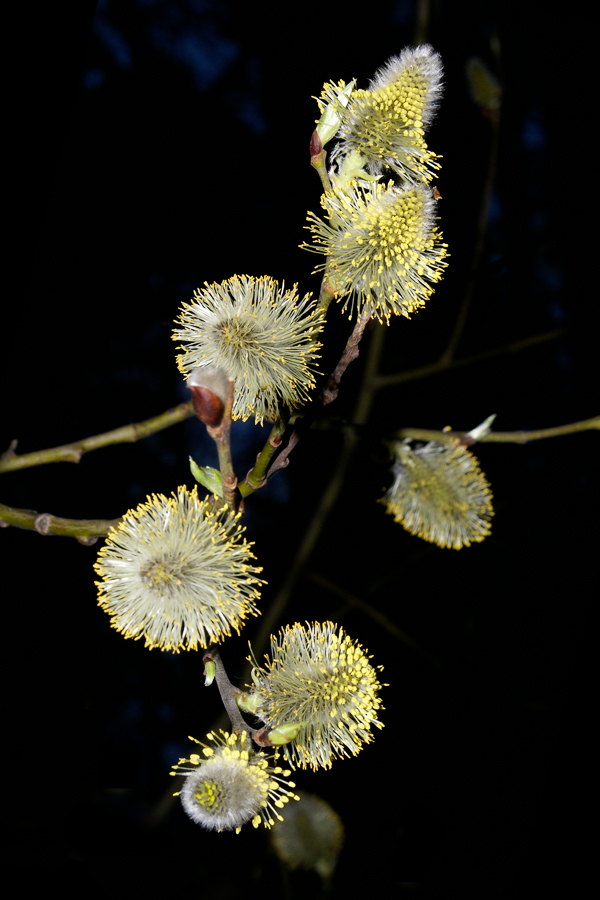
42	522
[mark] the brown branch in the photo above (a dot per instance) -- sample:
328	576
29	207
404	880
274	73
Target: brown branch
282	460
228	693
484	212
330	392
335	484
383	381
373	613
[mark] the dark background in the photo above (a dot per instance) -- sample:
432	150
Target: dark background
165	146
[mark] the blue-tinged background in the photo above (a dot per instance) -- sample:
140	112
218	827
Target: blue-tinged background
163	144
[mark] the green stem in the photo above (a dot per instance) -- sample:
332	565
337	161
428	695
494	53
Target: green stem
319	162
502	437
257	476
326	295
10	461
87	531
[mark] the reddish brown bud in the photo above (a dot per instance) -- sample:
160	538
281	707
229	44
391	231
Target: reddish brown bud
207	406
208	385
315	144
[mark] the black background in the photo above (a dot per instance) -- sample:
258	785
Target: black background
168	146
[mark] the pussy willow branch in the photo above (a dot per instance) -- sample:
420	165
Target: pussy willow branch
257	476
372	613
434	368
484	212
228	692
501	437
87	531
272	616
351	352
10	461
283	458
328	394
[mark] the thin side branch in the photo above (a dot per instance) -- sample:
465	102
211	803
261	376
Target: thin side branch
257	476
283	459
502	437
228	692
87	531
484	212
373	613
127	434
438	366
351	352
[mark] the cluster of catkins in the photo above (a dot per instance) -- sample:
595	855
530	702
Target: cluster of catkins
178	572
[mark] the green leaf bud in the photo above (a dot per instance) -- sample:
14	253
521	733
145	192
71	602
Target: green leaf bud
208	477
331	118
285	733
247	702
209	672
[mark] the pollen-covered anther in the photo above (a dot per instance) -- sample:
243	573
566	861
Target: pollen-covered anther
233	785
261	335
177	573
386	123
440	494
314	673
382	246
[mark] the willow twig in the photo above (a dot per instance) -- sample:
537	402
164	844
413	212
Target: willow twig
501	437
87	531
228	693
258	475
351	352
283	458
375	614
11	461
434	368
327	501
484	212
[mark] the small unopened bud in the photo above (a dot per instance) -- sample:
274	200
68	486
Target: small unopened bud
208	477
480	431
208	385
248	702
315	144
331	117
209	672
485	88
285	733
